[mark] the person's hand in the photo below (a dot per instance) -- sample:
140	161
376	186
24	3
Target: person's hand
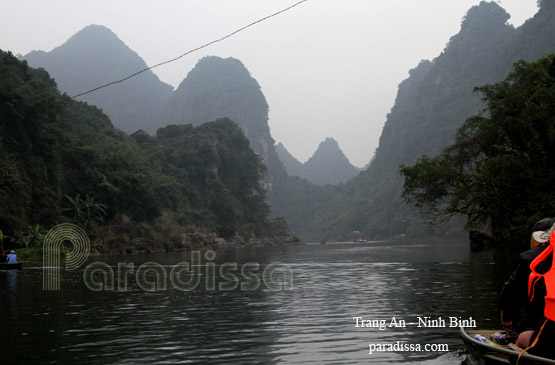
505	322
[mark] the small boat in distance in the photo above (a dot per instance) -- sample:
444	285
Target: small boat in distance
5	266
493	353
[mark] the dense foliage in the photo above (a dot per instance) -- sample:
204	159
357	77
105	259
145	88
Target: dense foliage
30	137
209	176
64	161
218	88
430	106
215	88
500	170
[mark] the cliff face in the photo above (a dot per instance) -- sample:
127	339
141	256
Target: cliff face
217	88
431	105
95	56
439	96
223	88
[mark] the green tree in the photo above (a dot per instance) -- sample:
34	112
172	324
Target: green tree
30	136
86	211
60	155
173	130
500	170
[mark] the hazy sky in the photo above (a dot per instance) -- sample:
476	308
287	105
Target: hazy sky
327	68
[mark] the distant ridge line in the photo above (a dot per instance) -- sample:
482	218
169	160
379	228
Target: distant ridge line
186	53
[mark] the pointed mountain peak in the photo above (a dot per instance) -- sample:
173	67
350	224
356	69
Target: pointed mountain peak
95	29
215	69
95	39
484	16
329	147
96	49
95	56
329	165
223	87
329	142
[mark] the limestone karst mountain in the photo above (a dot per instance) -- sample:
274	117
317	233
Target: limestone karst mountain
94	57
431	104
328	165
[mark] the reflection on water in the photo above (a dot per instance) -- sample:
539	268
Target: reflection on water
313	323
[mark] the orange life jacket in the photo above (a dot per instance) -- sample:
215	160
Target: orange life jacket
548	277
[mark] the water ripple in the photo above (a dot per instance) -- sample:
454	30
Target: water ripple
313	323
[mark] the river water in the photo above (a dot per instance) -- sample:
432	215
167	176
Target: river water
300	314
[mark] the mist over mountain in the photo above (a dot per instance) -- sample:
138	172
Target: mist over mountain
216	88
430	106
95	56
328	165
65	162
293	166
213	89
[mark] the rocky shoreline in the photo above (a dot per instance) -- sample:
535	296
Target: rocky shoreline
125	240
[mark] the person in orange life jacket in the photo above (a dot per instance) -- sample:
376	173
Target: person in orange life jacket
516	311
541	288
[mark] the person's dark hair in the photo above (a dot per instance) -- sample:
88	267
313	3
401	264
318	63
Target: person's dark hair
543	224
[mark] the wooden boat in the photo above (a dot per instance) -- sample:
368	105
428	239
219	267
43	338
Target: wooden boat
492	353
4	266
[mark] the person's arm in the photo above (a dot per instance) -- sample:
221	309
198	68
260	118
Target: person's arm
513	293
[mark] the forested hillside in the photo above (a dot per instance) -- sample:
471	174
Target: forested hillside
499	171
431	104
218	87
63	161
214	88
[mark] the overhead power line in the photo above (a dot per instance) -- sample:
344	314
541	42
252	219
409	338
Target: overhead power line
189	52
